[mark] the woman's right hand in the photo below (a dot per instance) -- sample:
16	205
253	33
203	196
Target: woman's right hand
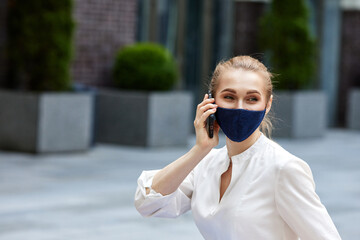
168	179
203	111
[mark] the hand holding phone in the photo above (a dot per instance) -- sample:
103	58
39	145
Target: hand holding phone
210	121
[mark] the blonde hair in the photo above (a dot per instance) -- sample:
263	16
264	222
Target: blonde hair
250	64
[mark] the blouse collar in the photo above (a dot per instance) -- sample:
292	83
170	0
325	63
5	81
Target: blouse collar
258	145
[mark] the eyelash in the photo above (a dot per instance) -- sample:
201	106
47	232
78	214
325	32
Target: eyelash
252	99
229	97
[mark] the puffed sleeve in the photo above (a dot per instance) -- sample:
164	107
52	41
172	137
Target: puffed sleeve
300	206
157	205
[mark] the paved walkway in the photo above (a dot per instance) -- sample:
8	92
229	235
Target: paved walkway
90	195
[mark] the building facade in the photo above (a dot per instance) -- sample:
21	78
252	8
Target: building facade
200	33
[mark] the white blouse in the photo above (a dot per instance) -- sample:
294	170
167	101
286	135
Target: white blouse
271	196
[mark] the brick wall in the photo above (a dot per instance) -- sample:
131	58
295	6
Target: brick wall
102	27
349	74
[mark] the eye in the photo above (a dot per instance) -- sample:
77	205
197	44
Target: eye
229	97
253	99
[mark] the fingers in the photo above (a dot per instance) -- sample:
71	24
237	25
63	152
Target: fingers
207	110
200	107
205	101
200	120
204	109
206	114
206	96
207	107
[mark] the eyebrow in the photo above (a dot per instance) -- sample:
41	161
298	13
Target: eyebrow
229	90
253	91
233	91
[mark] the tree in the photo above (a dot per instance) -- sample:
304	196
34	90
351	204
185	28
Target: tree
285	34
40	44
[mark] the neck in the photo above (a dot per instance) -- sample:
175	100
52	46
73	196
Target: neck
235	148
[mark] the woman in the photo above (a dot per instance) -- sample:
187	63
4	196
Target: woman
249	189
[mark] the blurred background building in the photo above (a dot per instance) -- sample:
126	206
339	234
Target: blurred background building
202	32
83	194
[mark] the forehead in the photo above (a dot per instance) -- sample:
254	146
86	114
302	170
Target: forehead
241	80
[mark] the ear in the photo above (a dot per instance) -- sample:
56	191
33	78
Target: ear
268	105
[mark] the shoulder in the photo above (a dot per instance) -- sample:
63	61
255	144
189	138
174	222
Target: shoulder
289	168
281	157
286	163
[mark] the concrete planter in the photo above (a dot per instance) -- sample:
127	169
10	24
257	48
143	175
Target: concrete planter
45	122
151	119
353	114
299	114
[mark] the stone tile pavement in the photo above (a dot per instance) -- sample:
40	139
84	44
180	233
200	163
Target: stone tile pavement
89	195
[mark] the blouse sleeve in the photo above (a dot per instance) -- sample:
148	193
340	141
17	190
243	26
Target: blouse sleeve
157	205
300	206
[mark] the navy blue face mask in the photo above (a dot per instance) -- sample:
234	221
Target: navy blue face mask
238	124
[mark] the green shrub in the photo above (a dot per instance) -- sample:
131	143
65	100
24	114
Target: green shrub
40	44
145	66
285	34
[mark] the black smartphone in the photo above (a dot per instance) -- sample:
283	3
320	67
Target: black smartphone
210	122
